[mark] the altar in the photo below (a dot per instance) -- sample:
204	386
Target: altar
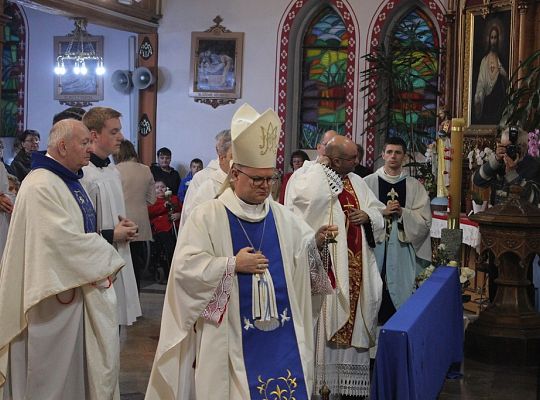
471	233
421	342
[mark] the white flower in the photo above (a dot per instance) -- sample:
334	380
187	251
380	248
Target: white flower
470	156
466	274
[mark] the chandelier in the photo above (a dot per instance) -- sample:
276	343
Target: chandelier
79	50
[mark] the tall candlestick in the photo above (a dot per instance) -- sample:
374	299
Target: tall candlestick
455	172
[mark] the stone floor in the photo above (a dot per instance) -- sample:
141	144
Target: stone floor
480	381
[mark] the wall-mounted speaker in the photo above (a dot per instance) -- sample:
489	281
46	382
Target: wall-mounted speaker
121	80
142	78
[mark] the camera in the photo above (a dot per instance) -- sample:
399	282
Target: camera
512	150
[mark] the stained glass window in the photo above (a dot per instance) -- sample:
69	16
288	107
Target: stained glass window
414	45
324	65
13	63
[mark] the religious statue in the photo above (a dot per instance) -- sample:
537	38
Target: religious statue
443	157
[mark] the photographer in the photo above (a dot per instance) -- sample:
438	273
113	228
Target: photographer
510	165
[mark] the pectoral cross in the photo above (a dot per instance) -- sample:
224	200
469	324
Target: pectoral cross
392	194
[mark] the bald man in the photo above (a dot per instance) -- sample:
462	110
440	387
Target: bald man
59	336
321	148
329	192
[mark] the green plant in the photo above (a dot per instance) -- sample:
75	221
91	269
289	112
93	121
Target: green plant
399	69
424	173
440	257
523	95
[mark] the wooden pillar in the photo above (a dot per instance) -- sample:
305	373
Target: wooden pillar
449	60
522	52
147	51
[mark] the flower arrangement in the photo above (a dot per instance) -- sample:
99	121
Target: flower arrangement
534	151
477	156
465	275
440	257
424	275
424	174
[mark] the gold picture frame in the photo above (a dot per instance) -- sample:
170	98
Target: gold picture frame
216	65
483	95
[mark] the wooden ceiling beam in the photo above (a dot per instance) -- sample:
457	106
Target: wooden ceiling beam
138	17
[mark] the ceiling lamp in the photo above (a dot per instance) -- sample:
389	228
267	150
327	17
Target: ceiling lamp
80	50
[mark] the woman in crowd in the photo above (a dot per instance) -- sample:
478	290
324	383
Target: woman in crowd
138	187
28	142
297	160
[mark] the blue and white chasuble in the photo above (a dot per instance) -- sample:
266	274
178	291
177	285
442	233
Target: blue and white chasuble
271	356
72	181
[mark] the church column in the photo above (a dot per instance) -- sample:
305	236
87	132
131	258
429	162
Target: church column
146	129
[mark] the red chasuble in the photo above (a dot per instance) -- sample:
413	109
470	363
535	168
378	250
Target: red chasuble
348	200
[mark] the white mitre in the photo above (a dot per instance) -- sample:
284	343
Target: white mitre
255	137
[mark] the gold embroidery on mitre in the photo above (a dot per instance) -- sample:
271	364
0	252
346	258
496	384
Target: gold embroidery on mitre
269	137
285	392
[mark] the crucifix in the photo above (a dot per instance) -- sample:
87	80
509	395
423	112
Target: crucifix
392	194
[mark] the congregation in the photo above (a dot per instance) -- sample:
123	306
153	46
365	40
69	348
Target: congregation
274	282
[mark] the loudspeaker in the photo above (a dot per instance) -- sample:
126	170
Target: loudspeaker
121	80
142	78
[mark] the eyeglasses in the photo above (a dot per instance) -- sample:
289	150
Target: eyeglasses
257	181
32	141
347	159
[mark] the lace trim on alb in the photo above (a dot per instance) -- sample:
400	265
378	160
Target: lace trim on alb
216	308
351	380
320	283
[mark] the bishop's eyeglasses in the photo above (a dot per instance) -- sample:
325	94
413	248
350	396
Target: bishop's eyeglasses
257	181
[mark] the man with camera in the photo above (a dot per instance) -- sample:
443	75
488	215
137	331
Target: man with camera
510	165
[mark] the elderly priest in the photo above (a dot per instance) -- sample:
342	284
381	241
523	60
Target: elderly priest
59	333
237	319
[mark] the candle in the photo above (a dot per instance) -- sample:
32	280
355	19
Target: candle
456	141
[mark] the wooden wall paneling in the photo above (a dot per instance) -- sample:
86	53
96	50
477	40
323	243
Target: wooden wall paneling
147	49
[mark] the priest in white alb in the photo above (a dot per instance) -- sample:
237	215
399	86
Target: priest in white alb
59	331
203	175
209	188
329	192
406	249
237	319
104	186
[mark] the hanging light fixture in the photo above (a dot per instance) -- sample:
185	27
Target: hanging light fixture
80	50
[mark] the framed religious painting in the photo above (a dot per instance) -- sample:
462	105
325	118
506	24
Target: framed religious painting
216	65
488	64
77	89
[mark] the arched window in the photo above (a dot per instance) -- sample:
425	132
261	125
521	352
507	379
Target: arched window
414	47
13	72
324	71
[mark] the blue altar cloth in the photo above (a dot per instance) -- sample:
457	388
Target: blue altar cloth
419	344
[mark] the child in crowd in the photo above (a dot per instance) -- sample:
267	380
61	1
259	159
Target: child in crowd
164	218
194	166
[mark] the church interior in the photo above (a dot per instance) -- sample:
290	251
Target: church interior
448	76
